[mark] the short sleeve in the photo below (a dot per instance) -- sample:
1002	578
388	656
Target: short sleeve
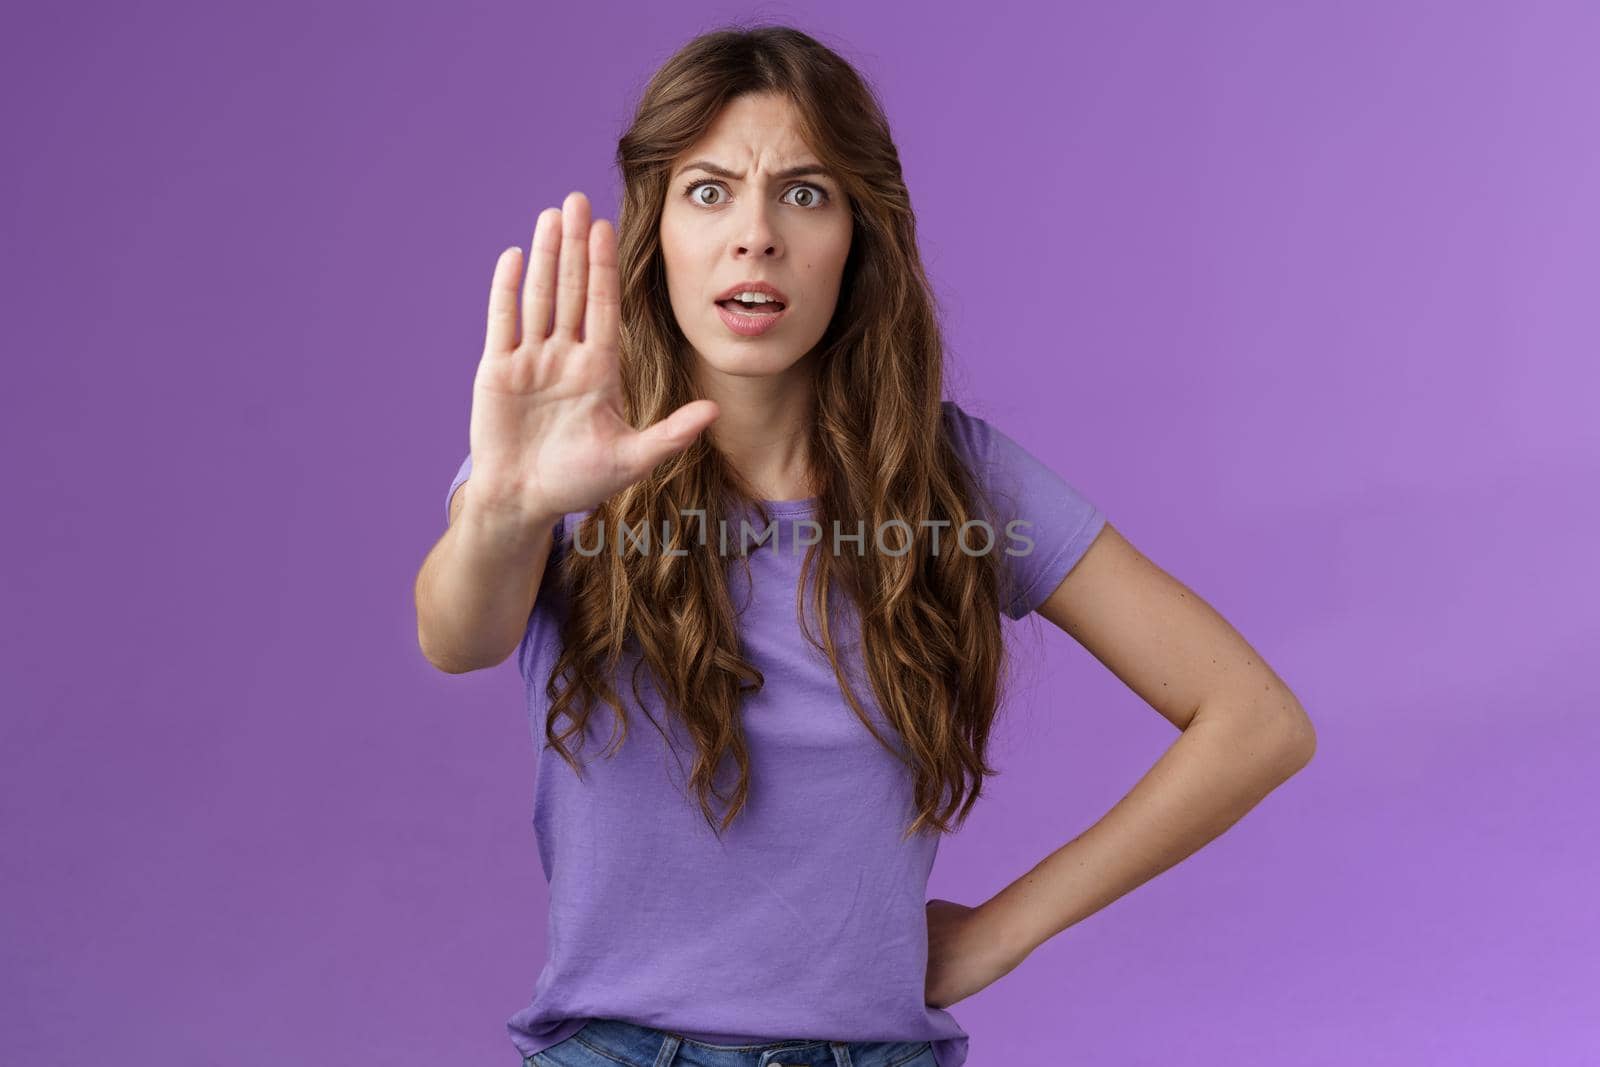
1042	524
461	476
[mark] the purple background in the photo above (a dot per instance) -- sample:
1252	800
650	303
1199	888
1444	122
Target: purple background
1304	296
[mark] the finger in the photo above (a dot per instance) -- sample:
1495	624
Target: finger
539	290
650	446
501	334
572	280
600	319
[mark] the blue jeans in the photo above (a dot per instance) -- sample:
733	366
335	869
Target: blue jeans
612	1042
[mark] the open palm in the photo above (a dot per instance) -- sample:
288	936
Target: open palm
548	432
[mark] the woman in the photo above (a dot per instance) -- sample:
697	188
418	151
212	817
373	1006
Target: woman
743	883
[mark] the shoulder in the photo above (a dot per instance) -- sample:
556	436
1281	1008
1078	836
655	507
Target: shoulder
1026	496
963	425
995	457
972	436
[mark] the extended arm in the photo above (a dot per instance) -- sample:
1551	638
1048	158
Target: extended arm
476	587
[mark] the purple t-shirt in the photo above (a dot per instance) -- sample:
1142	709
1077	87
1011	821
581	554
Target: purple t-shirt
806	920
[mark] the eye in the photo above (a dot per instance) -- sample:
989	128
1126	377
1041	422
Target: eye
816	195
689	191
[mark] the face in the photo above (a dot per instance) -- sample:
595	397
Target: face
750	202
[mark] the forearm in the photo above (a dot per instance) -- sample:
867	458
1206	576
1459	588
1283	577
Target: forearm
477	586
1216	771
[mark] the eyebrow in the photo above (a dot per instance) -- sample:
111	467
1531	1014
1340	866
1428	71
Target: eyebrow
804	170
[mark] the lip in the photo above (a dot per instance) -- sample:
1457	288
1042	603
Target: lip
753	287
750	325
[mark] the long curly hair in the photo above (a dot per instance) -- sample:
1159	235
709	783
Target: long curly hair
929	628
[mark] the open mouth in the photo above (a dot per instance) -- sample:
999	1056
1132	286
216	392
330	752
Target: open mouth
770	307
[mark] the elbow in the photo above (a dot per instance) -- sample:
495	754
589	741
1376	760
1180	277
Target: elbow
438	662
1298	739
442	660
1278	731
1293	738
449	666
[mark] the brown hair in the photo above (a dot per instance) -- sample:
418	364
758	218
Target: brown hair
930	636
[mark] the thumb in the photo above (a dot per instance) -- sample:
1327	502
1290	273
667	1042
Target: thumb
671	435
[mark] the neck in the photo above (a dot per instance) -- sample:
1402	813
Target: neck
764	428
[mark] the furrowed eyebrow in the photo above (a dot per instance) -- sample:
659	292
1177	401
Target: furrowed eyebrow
802	171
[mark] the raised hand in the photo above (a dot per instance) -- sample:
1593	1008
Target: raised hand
548	433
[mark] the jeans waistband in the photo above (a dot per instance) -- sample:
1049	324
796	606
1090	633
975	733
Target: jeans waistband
646	1046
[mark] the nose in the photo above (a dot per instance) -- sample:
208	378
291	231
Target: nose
756	233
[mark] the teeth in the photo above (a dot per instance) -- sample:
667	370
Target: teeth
754	298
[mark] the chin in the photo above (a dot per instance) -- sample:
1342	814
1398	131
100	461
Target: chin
749	360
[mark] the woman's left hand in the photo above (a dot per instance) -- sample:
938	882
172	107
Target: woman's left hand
965	953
